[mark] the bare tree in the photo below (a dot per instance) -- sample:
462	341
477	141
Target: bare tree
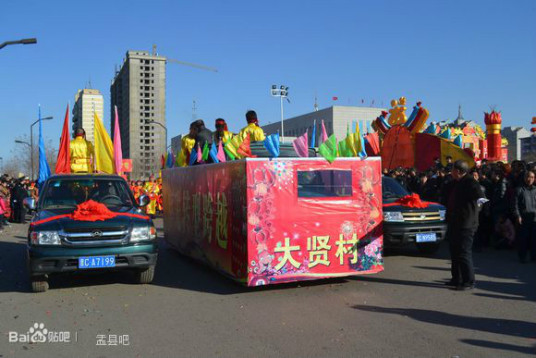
21	161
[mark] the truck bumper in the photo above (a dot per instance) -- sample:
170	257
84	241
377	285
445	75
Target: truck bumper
46	260
400	234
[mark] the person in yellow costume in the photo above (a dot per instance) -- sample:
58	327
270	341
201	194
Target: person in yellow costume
187	143
151	189
82	153
255	132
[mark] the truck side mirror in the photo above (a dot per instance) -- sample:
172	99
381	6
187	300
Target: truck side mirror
29	203
143	200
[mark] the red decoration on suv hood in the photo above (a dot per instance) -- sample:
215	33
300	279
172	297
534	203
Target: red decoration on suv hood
412	201
92	211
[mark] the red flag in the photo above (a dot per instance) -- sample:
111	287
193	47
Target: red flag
63	164
163	161
334	98
245	149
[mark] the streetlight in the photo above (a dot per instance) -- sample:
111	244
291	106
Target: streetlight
281	92
152	121
17	42
31	142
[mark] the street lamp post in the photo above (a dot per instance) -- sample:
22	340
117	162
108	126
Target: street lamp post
19	42
152	121
31	142
281	92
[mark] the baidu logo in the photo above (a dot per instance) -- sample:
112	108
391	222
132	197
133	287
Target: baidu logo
39	334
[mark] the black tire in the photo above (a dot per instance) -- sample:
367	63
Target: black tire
428	248
39	284
145	276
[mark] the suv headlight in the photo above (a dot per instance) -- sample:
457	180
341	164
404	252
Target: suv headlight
143	233
442	215
393	216
45	238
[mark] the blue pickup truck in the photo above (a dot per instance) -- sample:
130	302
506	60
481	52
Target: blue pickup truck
58	243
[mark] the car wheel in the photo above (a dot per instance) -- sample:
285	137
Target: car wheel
428	248
39	284
146	276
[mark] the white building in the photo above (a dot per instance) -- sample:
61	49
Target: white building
514	136
336	120
87	102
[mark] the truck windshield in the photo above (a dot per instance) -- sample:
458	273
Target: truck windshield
392	190
67	193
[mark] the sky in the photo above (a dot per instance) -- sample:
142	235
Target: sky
479	54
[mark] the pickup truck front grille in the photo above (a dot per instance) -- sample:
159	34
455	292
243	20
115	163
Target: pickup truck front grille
94	237
421	216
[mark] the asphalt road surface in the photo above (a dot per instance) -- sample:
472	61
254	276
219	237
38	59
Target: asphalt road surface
192	311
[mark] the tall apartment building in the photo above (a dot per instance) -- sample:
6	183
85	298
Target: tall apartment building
87	102
139	92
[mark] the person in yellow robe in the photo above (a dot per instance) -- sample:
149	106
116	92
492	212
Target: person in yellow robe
187	143
255	132
151	190
82	153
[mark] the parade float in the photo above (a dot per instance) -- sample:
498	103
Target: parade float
405	144
264	221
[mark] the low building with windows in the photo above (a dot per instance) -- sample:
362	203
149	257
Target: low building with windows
336	119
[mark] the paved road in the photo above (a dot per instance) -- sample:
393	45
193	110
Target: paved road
190	311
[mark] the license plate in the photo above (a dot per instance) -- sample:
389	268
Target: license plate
90	262
427	237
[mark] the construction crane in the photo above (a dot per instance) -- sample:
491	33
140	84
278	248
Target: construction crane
201	67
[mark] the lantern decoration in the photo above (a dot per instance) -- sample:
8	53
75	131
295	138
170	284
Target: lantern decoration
493	122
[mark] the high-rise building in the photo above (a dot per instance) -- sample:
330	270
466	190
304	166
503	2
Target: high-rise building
87	103
139	92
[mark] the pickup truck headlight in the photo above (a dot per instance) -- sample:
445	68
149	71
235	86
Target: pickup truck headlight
45	238
143	233
442	215
393	216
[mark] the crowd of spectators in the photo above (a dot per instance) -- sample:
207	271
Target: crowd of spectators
507	220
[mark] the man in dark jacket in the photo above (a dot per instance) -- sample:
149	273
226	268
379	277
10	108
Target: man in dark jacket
202	136
524	212
18	194
462	195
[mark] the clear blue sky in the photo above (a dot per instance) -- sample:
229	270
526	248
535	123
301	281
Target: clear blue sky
474	53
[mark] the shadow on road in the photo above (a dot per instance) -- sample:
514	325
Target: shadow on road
501	346
13	272
376	279
178	271
484	324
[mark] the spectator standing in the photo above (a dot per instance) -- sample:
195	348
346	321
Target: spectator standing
524	212
462	195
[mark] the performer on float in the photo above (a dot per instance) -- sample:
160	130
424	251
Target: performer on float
82	153
255	131
187	143
151	189
222	133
